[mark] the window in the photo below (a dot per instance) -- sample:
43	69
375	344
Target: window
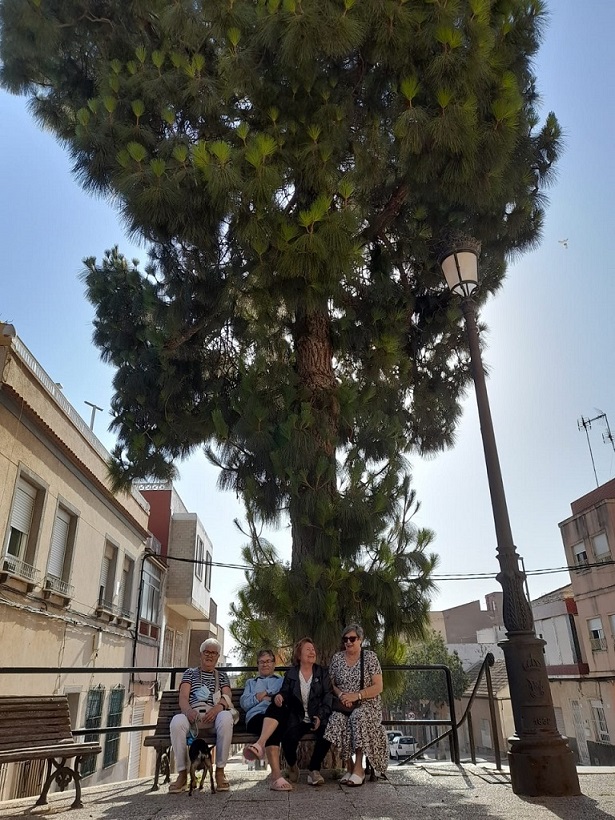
485	733
579	555
178	650
600	724
93	718
200	553
107	576
150	600
21	519
126	582
61	553
22	532
114	718
596	635
208	571
600	545
167	647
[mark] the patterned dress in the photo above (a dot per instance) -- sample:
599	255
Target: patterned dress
362	729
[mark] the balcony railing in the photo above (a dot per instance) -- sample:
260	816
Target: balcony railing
19	569
58	587
597	644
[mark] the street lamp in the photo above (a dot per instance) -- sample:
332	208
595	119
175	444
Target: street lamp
541	762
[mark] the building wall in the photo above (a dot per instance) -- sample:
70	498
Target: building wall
43	439
472	653
460	624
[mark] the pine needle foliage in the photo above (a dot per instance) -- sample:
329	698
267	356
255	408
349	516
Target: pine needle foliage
291	164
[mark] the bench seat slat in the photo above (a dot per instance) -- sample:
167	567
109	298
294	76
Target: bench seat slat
65	750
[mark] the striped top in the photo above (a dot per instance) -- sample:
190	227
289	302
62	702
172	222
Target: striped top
203	685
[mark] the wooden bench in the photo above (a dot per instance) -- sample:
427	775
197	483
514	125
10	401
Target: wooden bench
38	728
161	739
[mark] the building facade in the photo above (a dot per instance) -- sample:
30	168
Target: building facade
190	613
588	700
74	561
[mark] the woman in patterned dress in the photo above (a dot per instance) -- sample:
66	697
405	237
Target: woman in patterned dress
361	732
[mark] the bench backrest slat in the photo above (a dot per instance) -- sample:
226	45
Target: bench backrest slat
33	721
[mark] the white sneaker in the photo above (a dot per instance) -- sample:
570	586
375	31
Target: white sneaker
315	779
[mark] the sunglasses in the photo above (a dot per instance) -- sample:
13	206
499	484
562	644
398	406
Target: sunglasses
350	638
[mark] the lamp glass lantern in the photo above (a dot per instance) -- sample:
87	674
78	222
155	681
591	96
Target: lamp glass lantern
460	269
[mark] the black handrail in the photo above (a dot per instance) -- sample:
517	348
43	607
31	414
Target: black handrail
452	732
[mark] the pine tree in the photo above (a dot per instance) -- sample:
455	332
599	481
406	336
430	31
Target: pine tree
291	165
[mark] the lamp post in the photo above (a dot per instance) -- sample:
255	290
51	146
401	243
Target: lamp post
541	762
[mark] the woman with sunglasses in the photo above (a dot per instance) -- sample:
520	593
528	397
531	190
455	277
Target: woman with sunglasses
356	676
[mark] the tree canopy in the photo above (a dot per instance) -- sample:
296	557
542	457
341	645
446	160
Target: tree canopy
428	686
291	166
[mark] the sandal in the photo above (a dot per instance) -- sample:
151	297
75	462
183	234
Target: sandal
345	778
253	752
222	784
281	785
355	780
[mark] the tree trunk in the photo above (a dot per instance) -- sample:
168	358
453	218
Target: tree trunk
318	386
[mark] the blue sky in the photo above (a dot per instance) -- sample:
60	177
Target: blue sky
549	349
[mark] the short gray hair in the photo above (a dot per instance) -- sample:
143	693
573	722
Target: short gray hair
353	628
211	643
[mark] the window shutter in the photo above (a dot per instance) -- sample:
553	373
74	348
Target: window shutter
23	508
59	540
104	574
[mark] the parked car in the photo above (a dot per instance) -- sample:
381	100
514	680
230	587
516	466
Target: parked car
403	747
392	738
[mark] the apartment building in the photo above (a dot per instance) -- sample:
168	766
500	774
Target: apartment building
190	613
77	567
588	536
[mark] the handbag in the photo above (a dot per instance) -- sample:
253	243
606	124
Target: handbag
217	696
338	706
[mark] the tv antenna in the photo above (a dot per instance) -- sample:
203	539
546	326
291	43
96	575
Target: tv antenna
586	424
94	407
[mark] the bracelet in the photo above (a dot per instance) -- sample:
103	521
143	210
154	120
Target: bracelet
360	697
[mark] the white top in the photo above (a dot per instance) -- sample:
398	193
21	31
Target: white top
305	694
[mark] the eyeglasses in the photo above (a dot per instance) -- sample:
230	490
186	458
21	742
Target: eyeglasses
265	660
212	654
350	638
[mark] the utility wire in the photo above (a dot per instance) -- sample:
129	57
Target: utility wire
444	577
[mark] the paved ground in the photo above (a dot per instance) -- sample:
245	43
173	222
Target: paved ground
432	791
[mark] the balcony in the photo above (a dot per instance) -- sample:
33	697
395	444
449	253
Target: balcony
112	612
53	586
12	567
598	644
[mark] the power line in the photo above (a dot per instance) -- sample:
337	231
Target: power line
469	576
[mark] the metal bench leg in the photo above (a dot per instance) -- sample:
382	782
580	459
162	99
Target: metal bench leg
62	774
157	769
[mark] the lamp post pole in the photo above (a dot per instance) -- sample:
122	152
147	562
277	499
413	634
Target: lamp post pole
541	762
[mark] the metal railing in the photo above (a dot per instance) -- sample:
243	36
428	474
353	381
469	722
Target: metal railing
451	734
20	569
57	585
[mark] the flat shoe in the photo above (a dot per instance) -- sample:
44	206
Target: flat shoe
179	785
253	752
355	780
281	785
315	779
